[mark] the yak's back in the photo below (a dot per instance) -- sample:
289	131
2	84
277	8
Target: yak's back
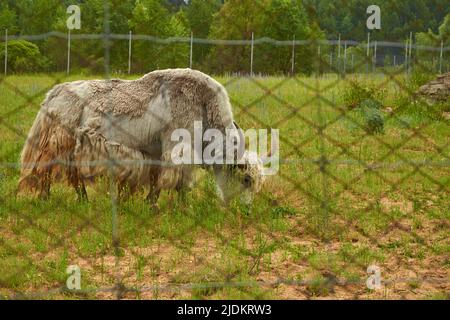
122	97
181	87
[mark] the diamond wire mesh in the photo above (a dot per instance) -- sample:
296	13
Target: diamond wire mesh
327	222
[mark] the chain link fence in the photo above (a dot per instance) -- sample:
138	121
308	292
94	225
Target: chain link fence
358	209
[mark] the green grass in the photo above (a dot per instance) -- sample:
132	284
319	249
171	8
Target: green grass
370	203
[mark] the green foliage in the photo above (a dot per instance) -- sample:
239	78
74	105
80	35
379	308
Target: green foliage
419	78
283	20
374	120
234	19
283	211
237	19
23	57
348	17
275	19
411	110
371	104
366	98
150	17
357	92
8	19
428	59
200	15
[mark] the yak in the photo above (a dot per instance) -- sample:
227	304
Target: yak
122	129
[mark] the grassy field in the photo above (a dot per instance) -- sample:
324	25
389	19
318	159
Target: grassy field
344	199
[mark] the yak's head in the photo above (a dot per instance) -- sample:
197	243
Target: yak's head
251	171
246	177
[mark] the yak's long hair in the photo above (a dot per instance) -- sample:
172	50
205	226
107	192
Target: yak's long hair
87	129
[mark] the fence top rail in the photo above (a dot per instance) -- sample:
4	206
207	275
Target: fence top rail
262	40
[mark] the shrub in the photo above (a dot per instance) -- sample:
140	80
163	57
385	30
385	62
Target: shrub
23	57
356	93
374	120
419	78
422	109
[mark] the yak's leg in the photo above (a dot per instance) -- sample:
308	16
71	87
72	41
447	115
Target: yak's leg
81	192
125	190
221	177
182	192
166	177
45	182
153	195
77	182
154	192
44	174
184	184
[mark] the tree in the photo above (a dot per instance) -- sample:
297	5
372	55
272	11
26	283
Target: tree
428	59
284	20
23	57
176	55
38	16
199	14
8	19
149	17
276	19
236	20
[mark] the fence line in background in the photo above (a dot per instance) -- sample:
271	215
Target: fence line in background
68	52
169	40
293	56
251	55
129	52
368	51
375	56
6	52
190	50
341	66
410	53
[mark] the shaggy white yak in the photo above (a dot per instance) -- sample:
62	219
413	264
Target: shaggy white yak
123	128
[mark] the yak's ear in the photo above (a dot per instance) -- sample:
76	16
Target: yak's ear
241	148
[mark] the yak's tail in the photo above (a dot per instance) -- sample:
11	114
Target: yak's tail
48	145
32	155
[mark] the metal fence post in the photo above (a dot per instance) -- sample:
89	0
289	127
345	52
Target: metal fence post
368	52
251	56
345	57
6	52
339	55
129	52
190	50
410	52
339	46
331	61
375	57
441	56
406	56
353	63
293	56
68	52
320	59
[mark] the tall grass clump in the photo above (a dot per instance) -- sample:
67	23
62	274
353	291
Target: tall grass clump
357	92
